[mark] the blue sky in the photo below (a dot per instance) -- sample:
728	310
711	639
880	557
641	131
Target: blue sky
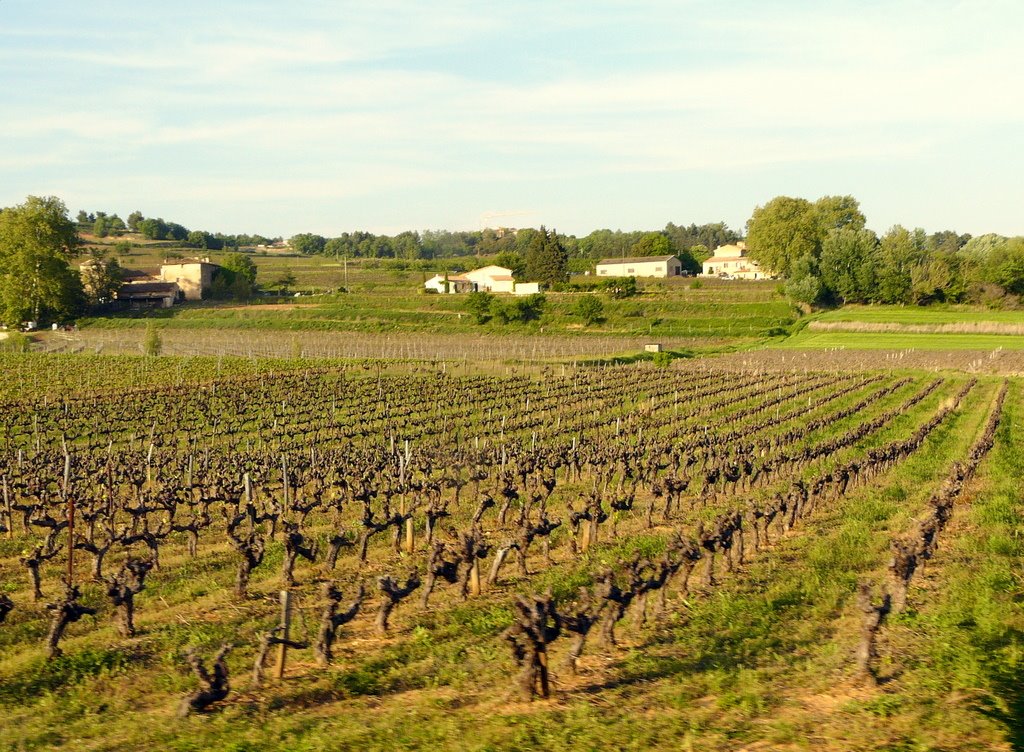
281	118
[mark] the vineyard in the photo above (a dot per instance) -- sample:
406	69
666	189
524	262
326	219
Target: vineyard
325	555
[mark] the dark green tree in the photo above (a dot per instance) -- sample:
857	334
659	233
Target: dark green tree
546	259
307	243
241	265
284	282
652	244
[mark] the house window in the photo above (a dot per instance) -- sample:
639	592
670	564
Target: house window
629	271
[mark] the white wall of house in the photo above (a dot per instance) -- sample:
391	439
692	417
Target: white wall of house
732	261
491	279
655	267
455	284
486	279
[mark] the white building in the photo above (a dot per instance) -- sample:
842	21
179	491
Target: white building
453	283
642	266
732	262
485	279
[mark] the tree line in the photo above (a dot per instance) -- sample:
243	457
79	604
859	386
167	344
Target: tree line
827	255
104	225
692	243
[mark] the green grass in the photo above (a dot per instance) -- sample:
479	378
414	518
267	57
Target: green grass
920	315
811	340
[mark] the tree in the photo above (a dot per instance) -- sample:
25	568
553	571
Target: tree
242	265
154	229
651	244
847	264
782	231
176	231
518	311
511	260
133	220
589	308
285	280
804	284
101	277
37	239
478	304
787	229
1007	268
307	243
838	213
899	251
546	259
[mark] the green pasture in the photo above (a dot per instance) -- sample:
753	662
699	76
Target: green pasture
920	315
813	340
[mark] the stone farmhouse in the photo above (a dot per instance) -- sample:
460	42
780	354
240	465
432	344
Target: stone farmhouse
193	276
485	279
731	262
176	281
642	266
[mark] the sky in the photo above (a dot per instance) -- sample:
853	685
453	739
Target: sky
331	116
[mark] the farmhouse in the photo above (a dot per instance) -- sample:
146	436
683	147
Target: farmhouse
453	283
193	276
731	262
642	266
485	279
149	294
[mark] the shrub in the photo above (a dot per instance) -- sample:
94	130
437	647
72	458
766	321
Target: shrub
518	311
15	342
152	344
621	287
479	305
589	308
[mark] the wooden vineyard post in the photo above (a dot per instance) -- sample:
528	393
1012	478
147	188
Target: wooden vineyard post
7	510
69	498
410	536
284	480
286	622
585	535
474	577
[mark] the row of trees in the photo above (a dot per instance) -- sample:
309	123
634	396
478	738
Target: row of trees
826	255
104	225
692	244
